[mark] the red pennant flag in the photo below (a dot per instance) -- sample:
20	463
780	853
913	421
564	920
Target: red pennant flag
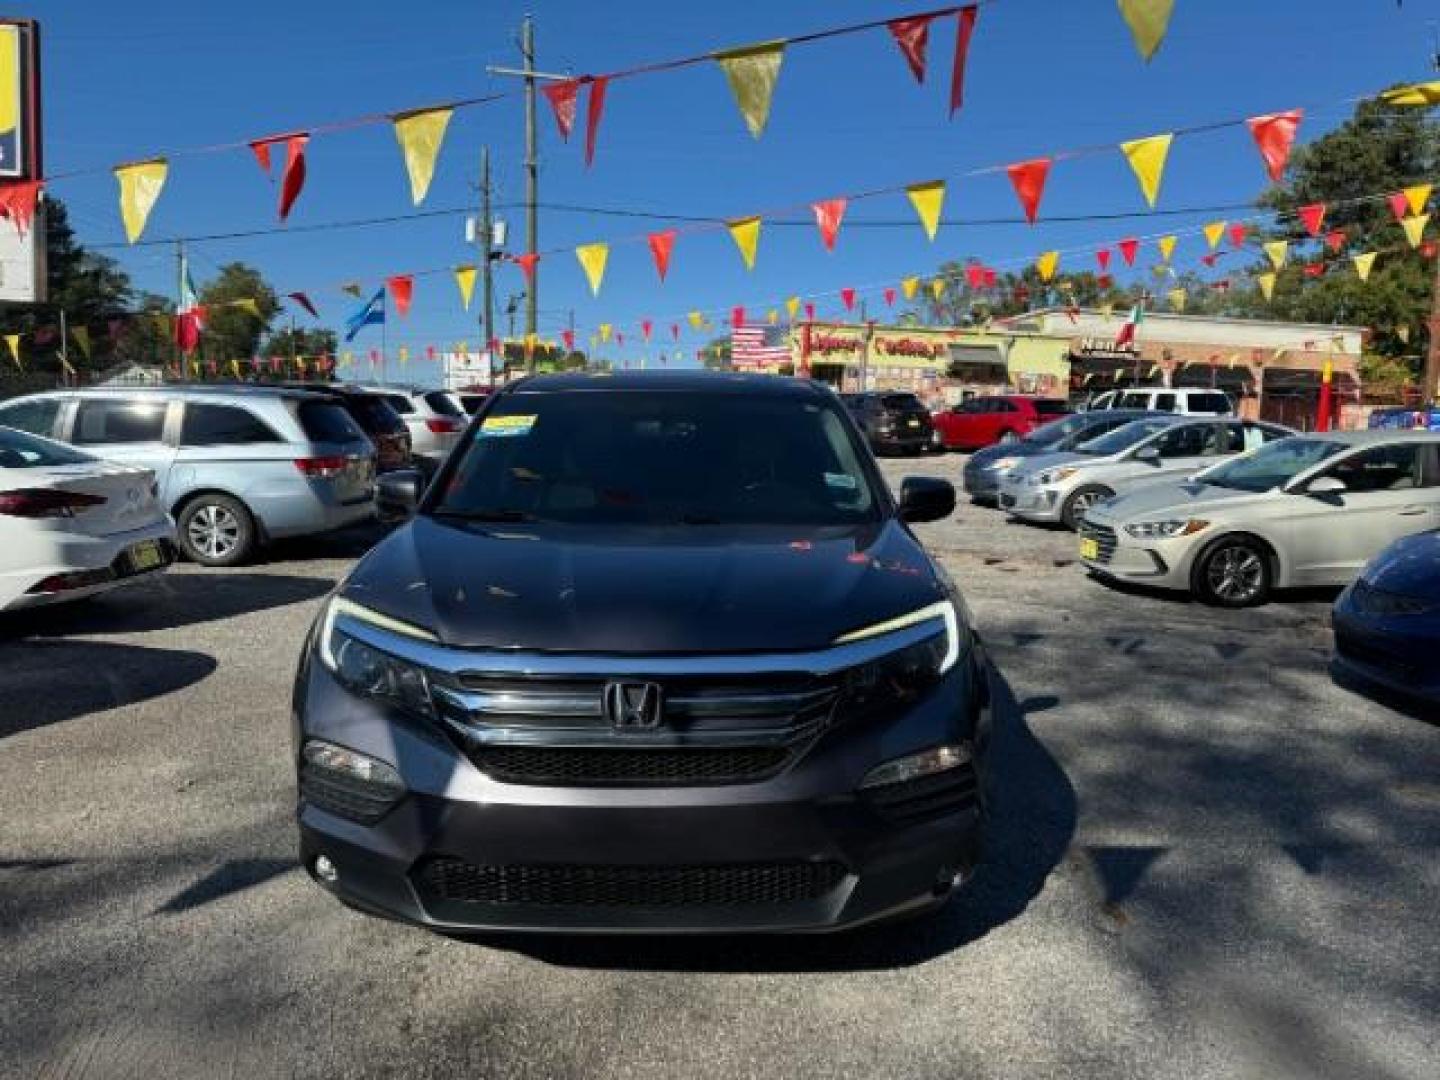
401	287
889	297
1399	205
1104	281
261	149
430	352
675	331
1103	258
1275	136
1237	234
568	336
1314	269
913	35
527	262
1128	249
1429	248
1209	260
645	327
847	297
828	215
561	96
809	311
1335	239
737	317
965	26
374	359
1223	285
620	340
1028	178
661	244
292	180
304	301
17	202
1313	217
595	105
493	345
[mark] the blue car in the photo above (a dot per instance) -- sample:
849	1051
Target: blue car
1387	623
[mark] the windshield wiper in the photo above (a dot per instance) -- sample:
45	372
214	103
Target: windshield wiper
510	516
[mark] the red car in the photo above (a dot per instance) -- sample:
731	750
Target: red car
984	421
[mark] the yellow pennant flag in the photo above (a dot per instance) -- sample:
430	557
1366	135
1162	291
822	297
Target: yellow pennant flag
299	364
1234	359
346	359
1363	264
1177	300
937	287
1267	284
746	234
697	320
404	353
1148	20
1214	233
82	338
420	135
1278	251
247	304
1417	95
908	286
1415	228
1047	264
594	341
1416	197
1147	159
792	307
772	316
593	258
1403	333
235	368
605	330
1166	244
140	186
465	282
928	199
751	73
13	341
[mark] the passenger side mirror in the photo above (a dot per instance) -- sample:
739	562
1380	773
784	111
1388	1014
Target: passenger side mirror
1148	454
924	498
397	494
1326	486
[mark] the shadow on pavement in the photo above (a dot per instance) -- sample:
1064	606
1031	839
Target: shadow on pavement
232	877
174	599
1033	813
47	682
348	543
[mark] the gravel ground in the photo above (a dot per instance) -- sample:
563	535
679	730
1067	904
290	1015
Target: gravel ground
1208	861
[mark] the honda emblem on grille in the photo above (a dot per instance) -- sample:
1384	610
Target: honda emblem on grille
633	706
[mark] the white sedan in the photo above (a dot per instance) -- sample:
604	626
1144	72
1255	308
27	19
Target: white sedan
72	525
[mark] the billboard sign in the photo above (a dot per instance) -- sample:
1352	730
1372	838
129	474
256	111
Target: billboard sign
20	157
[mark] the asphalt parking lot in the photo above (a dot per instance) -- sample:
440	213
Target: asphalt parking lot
1208	861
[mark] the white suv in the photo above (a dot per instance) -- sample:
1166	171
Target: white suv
1161	399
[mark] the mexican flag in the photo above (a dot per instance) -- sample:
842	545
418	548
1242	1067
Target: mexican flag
189	315
1126	336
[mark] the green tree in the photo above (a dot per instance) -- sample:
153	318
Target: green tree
233	330
301	341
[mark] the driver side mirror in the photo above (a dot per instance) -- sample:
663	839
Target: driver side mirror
397	494
1148	454
1326	487
924	498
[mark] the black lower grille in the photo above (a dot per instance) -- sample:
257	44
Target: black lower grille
345	797
733	885
628	766
1104	537
930	796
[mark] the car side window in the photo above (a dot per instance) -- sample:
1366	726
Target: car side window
206	424
1183	442
1381	468
37	417
400	403
101	421
1165	402
1225	439
974	405
1005	406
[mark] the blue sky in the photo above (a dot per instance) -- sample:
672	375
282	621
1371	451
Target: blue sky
125	81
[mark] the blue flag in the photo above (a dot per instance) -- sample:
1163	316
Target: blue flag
373	312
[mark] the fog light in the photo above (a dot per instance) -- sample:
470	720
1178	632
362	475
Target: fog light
347	783
325	871
913	767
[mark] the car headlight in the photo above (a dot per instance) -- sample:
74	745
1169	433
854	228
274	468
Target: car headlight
944	612
1004	463
1164	530
1054	476
370	672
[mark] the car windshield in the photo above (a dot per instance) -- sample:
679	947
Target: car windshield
21	451
1271	466
1056	430
661	458
1122	438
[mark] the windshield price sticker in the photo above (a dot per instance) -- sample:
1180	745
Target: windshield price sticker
506	427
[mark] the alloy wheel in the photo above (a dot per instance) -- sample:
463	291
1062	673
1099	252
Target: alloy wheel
213	531
1235	574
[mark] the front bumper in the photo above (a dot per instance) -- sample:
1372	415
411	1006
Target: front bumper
1108	550
1395	652
803	850
1030	502
914	439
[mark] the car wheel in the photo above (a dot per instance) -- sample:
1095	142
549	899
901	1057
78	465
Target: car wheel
1008	437
216	530
1234	573
1081	500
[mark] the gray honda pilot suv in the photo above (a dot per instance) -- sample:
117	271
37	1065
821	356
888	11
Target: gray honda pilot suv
654	652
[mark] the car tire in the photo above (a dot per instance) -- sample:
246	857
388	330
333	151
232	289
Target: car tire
1233	572
215	530
1008	437
1080	500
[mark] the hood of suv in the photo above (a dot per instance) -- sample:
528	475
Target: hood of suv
1409	567
641	590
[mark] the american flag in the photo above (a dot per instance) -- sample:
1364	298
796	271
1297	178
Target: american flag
755	346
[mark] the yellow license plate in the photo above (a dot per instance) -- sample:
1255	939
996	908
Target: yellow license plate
1089	548
146	555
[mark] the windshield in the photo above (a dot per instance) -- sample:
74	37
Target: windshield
1056	430
1271	466
1122	438
21	451
662	458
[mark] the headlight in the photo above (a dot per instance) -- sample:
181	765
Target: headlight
1164	530
944	611
1004	463
1054	476
370	672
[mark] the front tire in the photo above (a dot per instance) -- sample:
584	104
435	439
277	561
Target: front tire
216	530
1234	573
1081	500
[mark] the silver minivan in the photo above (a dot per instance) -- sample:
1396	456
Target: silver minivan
236	466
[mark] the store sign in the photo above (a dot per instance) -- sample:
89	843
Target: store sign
1106	349
905	346
19	100
828	344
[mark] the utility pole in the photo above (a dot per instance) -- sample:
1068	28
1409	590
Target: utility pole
487	232
865	350
65	368
179	299
1430	388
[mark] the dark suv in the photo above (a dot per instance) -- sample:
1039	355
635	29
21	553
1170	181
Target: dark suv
656	652
893	421
375	416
